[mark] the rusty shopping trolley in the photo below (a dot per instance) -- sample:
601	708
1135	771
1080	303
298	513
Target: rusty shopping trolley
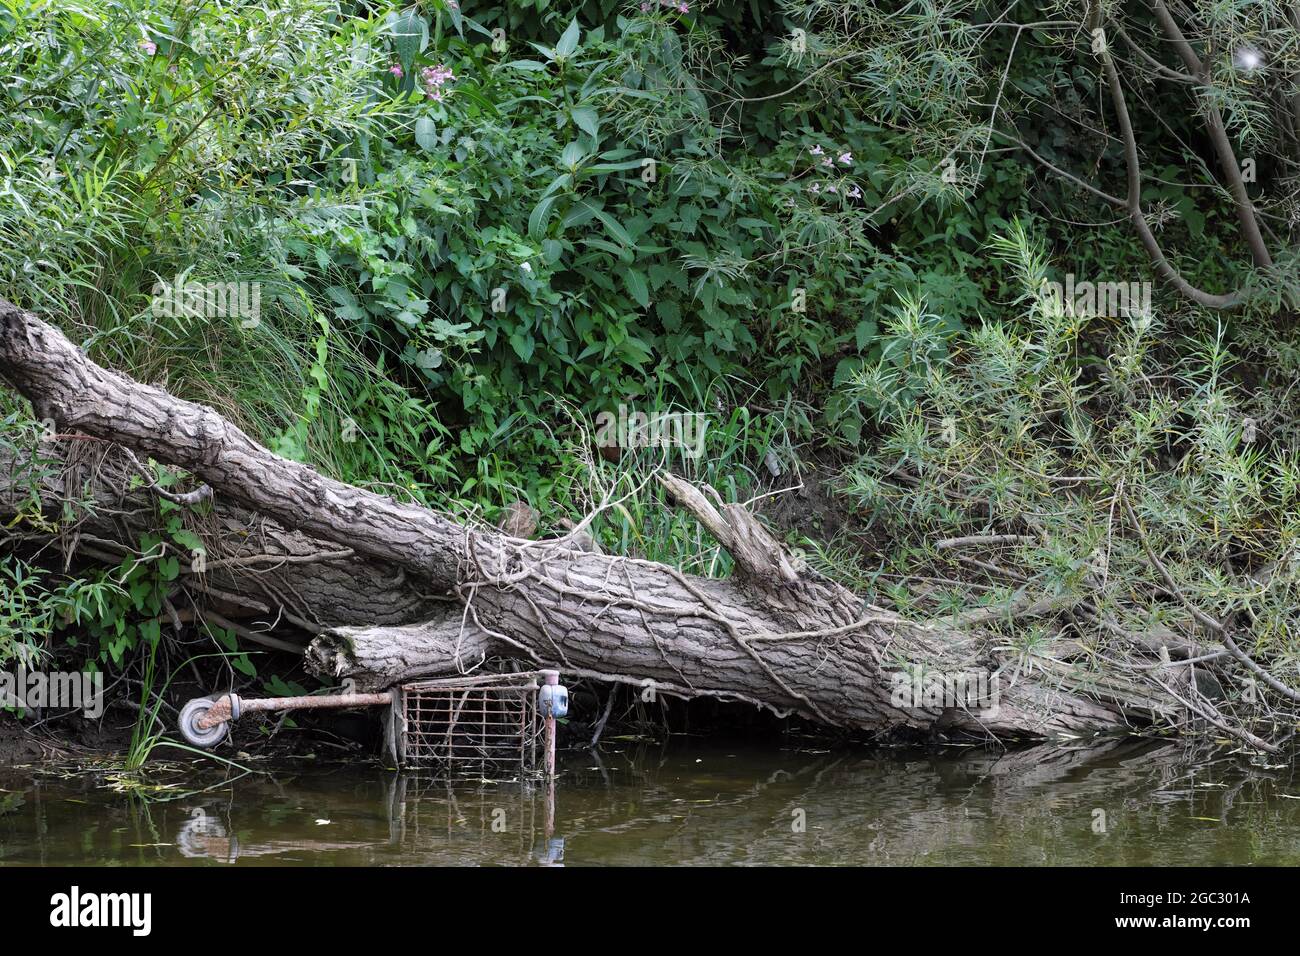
490	724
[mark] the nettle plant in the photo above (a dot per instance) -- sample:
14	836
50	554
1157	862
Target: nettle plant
563	222
505	241
1012	461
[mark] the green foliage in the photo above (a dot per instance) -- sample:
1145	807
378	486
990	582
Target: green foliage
1016	428
28	613
563	224
564	218
971	85
474	230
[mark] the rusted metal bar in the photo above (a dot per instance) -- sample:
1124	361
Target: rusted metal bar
551	678
232	706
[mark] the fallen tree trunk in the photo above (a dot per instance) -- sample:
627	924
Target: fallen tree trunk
78	499
775	634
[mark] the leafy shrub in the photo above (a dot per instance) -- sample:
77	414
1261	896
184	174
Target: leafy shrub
1076	462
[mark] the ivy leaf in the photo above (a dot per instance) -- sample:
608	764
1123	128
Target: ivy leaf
187	539
224	636
151	631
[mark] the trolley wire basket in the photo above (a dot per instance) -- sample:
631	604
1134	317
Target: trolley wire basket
487	725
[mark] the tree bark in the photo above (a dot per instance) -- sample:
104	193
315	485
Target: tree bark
251	566
774	634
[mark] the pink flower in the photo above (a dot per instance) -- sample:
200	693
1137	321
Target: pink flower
434	78
815	188
683	8
846	159
855	193
149	47
396	70
831	189
826	161
816	150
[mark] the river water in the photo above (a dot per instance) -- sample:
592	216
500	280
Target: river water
686	801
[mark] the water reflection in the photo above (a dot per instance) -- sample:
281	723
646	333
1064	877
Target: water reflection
205	836
504	822
689	801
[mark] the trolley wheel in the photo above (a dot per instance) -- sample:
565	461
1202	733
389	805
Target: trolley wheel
191	714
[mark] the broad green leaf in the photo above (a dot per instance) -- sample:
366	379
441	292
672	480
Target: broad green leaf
636	287
614	228
585	118
573	154
187	539
540	215
426	134
523	345
615	167
568	44
410	33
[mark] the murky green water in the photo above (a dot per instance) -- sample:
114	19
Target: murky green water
689	801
